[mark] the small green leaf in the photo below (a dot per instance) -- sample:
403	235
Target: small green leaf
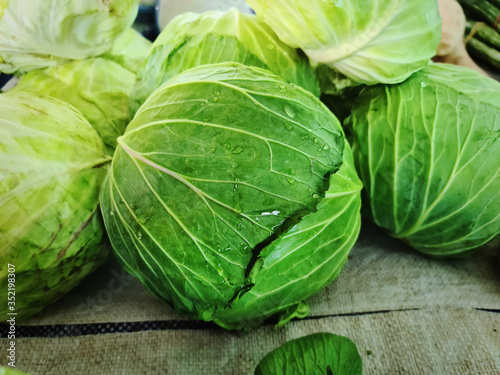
319	353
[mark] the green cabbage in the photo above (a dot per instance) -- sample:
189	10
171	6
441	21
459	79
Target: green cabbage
191	39
369	41
98	88
39	33
130	50
428	152
233	195
53	164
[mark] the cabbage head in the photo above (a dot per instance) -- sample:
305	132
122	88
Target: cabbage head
233	195
369	41
98	88
192	39
40	33
428	152
130	50
53	164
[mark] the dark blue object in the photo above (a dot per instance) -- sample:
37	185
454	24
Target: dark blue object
147	22
4	78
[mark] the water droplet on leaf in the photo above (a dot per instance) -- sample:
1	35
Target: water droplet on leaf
237	150
289	111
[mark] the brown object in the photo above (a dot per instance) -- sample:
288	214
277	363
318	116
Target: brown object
451	49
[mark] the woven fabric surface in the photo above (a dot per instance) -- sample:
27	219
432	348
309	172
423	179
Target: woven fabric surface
414	342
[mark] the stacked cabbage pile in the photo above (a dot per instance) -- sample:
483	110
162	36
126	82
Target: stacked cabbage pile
232	192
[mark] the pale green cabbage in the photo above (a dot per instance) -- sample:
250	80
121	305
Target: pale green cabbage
53	164
192	39
98	88
3	5
428	152
369	41
39	33
130	50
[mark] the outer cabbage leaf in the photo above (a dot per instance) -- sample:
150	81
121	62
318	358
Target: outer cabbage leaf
40	33
10	371
53	164
192	39
315	354
98	88
130	50
428	152
369	41
304	259
3	5
217	164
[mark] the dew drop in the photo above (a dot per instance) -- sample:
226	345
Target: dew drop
237	150
111	213
227	145
215	99
315	140
282	88
289	111
325	147
234	164
291	181
304	137
212	150
289	126
217	93
315	196
139	235
310	190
